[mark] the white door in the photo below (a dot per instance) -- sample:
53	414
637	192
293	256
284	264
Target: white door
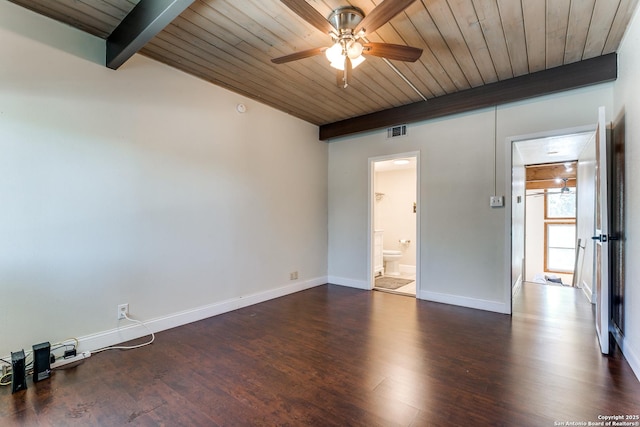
601	238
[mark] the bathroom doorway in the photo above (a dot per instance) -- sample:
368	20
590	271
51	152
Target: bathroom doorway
394	223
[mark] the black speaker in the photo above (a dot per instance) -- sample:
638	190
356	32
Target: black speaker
41	361
18	374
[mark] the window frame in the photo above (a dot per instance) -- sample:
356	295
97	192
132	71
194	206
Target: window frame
546	245
546	205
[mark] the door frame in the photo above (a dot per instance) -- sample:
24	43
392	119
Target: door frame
370	210
601	269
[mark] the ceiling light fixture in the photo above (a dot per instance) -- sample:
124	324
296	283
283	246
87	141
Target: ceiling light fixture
564	190
400	162
342	49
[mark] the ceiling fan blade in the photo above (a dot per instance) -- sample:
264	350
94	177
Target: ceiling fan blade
397	52
299	55
309	14
381	14
550	193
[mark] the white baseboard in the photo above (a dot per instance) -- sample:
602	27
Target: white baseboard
432	296
407	269
587	291
132	331
516	287
351	283
628	351
632	357
497	307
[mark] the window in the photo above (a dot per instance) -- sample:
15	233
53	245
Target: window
560	231
560	247
561	205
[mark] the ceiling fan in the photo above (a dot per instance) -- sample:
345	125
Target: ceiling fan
564	190
348	27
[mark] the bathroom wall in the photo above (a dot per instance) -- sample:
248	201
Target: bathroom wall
394	213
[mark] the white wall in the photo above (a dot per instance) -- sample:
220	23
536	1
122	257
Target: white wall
627	102
394	213
142	186
534	248
465	249
518	204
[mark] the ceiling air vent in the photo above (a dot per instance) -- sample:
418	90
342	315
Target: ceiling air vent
397	131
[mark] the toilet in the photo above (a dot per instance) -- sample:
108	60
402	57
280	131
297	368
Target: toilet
391	262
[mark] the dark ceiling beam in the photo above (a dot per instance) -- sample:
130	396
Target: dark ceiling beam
578	74
144	21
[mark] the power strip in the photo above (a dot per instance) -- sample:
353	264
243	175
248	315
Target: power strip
76	358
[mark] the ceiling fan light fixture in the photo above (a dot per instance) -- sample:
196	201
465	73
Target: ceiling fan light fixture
354	50
339	64
334	53
357	61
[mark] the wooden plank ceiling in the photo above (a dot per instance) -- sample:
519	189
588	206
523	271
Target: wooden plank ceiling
466	44
551	175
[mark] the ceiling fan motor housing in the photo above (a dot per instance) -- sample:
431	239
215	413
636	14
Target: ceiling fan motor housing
346	19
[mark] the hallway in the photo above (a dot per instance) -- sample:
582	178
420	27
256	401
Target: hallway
553	334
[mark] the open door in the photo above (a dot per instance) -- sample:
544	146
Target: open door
601	238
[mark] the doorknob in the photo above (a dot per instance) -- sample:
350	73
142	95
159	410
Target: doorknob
605	237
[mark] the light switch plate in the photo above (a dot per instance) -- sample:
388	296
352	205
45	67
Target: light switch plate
496	201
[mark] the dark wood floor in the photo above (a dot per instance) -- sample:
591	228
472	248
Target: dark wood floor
339	356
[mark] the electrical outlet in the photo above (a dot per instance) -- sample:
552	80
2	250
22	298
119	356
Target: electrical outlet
77	358
123	311
293	275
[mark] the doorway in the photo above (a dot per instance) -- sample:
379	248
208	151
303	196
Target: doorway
393	224
600	240
550	173
551	223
